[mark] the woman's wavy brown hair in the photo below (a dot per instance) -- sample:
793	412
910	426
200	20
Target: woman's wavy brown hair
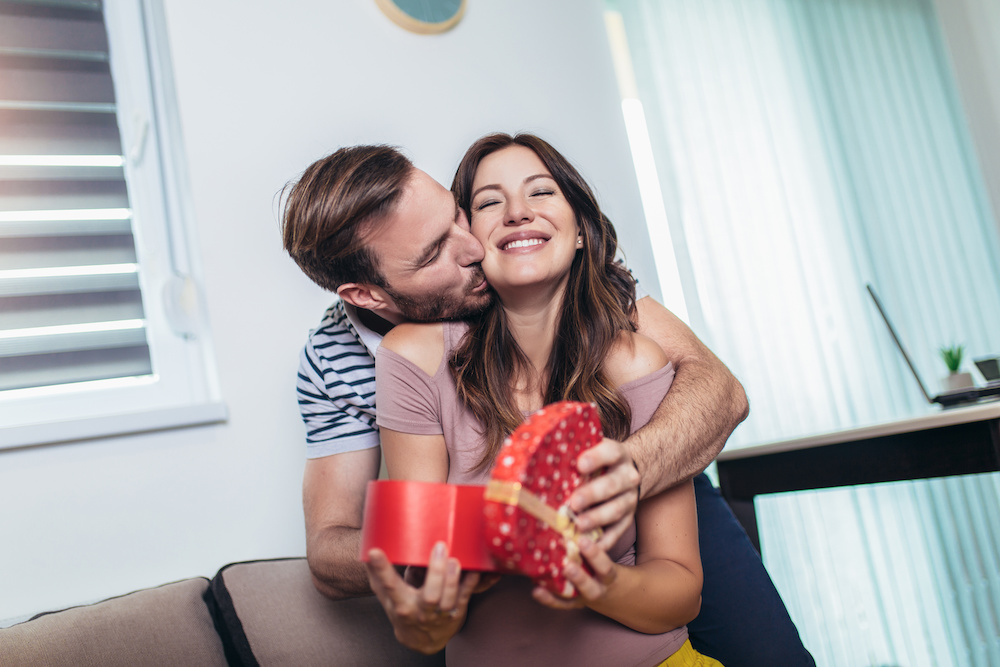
598	305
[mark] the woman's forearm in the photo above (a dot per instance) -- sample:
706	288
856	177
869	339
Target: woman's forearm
662	591
654	597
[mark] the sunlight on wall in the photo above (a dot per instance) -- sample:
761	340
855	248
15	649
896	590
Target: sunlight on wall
645	171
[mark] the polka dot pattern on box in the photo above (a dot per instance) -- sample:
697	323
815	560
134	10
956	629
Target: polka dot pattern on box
536	468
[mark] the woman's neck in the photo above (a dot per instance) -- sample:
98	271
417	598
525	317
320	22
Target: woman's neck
533	317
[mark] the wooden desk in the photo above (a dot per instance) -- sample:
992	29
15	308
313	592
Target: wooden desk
955	441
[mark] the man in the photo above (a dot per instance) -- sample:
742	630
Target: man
392	243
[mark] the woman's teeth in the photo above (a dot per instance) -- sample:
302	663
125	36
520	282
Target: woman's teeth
523	243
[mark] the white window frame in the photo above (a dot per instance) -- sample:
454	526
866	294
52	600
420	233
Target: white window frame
183	390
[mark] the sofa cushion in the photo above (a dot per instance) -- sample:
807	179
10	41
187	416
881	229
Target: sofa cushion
169	626
269	613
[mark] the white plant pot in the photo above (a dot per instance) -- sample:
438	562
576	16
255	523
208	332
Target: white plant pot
957	381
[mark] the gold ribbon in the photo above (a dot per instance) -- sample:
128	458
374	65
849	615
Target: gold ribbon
512	493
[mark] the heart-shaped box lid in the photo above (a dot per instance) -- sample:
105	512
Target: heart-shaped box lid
529	528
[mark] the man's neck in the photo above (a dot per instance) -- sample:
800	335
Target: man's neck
378	324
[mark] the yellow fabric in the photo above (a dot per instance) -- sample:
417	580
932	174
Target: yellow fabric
686	656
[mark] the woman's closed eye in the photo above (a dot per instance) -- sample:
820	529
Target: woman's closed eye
486	204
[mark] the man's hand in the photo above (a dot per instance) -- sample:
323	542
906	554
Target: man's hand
608	501
424	618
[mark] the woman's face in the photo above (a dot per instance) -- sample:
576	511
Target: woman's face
526	225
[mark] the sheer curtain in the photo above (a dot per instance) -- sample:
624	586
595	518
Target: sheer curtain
805	148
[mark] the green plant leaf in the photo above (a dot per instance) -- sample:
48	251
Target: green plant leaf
952	357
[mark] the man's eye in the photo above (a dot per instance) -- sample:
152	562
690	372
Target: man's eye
432	258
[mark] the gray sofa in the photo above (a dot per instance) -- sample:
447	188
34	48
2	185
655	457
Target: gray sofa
254	613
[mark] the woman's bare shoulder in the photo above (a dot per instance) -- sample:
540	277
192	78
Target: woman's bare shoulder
419	343
633	356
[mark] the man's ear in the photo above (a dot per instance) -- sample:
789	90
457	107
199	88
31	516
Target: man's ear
364	295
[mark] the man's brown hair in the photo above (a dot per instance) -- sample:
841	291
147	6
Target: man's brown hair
329	209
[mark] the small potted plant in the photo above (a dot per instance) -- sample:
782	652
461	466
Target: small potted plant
955	379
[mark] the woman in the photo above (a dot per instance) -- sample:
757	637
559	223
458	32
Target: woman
448	394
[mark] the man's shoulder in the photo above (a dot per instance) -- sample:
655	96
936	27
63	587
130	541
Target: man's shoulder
334	320
335	330
336	388
335	348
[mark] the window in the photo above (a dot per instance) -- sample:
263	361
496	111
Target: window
102	329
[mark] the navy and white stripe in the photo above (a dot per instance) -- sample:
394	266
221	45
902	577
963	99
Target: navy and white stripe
336	387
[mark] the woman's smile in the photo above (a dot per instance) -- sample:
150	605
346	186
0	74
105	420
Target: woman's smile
522	240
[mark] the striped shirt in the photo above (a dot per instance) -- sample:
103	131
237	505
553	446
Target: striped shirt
336	383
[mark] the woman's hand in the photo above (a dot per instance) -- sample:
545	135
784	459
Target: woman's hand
592	588
424	616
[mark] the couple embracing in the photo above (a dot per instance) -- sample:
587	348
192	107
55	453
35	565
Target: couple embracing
481	305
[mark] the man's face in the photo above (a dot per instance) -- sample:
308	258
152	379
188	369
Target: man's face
427	256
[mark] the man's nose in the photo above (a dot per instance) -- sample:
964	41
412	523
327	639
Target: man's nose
471	249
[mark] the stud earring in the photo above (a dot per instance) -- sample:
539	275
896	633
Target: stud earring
579	241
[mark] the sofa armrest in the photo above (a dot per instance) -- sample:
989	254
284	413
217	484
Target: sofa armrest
165	626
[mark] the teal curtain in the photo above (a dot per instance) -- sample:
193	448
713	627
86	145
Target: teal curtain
804	149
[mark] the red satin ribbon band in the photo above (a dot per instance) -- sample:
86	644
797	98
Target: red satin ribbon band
406	519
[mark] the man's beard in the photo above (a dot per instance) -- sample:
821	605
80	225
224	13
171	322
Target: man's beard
445	306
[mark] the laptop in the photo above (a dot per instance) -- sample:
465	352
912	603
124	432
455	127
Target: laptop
949	398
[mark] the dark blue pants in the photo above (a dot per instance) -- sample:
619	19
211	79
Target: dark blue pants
743	621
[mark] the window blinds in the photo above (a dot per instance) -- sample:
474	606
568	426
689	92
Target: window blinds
70	303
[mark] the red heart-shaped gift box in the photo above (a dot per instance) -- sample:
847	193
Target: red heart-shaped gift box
529	528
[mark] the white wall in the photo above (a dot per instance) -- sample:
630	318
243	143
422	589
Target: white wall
265	88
